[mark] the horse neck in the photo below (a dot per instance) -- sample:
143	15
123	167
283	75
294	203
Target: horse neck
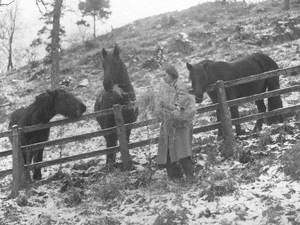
124	83
210	76
126	87
123	78
41	113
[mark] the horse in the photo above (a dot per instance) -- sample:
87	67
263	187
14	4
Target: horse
207	72
117	90
41	111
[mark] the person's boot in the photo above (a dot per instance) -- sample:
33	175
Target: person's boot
188	168
174	171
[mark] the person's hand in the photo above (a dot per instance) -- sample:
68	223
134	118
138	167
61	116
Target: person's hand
176	113
166	107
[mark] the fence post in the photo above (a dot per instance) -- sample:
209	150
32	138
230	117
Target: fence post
122	136
225	117
18	162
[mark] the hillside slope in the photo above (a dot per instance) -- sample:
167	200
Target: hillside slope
226	192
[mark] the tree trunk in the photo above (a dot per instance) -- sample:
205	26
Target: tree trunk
286	4
94	18
55	45
11	32
10	41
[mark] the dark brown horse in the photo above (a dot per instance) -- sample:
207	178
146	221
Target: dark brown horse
41	111
208	72
117	90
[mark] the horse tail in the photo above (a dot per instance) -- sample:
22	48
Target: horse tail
272	83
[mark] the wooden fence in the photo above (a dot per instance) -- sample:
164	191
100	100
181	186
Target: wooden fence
20	171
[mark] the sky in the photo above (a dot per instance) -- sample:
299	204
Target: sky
123	12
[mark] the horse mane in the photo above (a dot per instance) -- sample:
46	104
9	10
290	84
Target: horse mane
124	79
42	108
205	66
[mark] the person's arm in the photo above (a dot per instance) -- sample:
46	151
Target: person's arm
187	110
163	104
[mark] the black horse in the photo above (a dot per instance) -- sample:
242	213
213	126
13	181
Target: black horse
207	72
45	107
117	90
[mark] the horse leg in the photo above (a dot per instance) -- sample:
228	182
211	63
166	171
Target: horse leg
37	157
27	156
111	141
235	114
220	131
128	132
261	108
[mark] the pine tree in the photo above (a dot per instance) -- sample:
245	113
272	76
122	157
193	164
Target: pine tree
55	43
98	9
53	32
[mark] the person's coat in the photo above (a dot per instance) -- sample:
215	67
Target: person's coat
176	108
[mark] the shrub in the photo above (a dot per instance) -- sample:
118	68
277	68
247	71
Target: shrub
291	162
171	217
74	197
107	192
33	64
91	44
265	138
219	184
22	199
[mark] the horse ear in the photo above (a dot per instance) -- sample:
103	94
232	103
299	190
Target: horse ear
104	52
189	66
116	50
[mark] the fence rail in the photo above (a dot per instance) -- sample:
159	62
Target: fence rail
5	134
225	123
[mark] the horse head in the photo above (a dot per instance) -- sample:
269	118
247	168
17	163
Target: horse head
198	77
66	103
115	72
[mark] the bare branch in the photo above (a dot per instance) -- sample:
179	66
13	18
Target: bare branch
2	4
39	3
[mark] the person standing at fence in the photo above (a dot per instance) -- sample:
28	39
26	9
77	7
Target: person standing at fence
176	107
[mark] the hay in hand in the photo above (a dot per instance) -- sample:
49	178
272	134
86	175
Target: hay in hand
146	103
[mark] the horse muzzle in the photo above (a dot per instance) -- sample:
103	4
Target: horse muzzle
199	99
80	110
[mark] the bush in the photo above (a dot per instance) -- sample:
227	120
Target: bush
70	182
22	199
102	221
171	217
107	192
219	184
33	64
291	162
265	138
91	44
74	197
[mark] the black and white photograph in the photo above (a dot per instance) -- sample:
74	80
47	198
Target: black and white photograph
149	112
